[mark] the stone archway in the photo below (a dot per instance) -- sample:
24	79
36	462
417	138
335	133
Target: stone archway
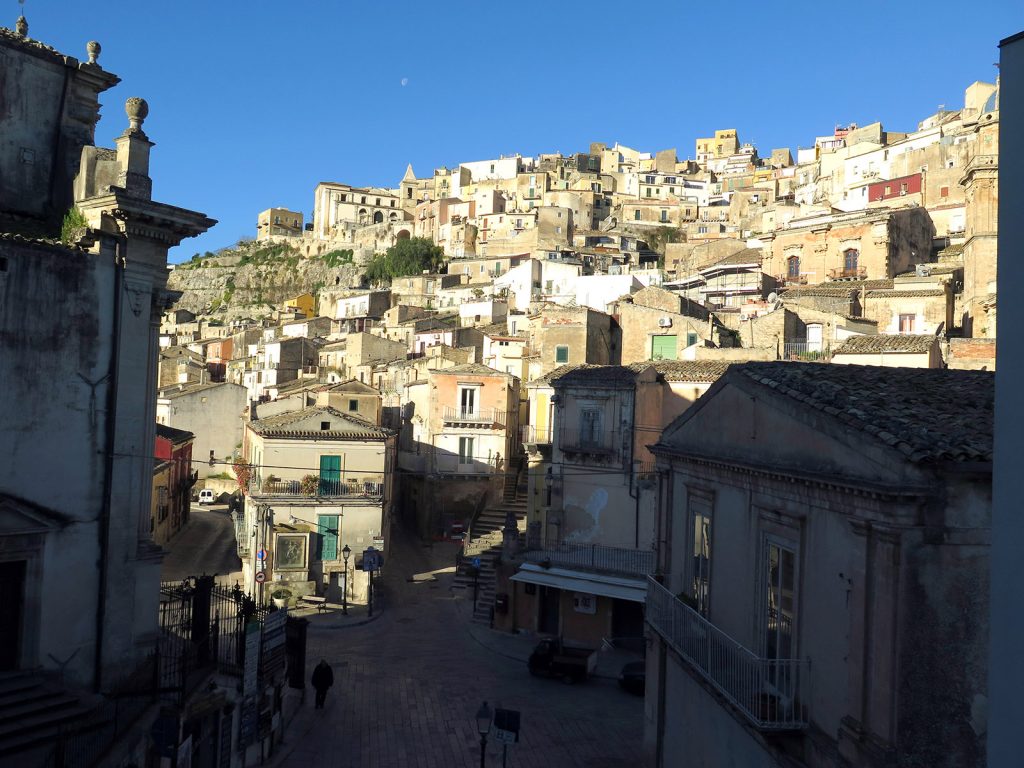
403	234
378	217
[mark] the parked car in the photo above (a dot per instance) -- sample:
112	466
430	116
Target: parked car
206	496
554	659
633	677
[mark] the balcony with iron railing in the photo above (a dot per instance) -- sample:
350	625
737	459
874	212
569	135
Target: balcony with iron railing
490	418
589	557
589	441
534	435
771	693
806	352
847	273
347	485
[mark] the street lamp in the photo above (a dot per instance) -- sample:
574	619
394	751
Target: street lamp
484	715
345	552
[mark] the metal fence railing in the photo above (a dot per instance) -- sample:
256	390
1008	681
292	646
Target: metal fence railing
771	693
475	416
313	486
536	435
594	557
806	352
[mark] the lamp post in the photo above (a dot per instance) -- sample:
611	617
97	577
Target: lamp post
345	552
484	715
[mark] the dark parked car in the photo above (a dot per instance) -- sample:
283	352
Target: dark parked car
632	677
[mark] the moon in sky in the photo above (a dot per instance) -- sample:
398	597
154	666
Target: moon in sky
405	81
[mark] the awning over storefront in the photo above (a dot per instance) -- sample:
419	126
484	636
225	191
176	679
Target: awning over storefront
582	581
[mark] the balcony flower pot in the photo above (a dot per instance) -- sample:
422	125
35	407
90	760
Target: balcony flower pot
309	484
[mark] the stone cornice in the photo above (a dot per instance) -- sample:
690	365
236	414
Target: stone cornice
852	485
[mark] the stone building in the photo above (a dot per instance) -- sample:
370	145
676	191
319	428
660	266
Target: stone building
278	222
877	243
83	374
822	579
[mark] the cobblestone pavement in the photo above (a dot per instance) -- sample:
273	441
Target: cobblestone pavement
408	684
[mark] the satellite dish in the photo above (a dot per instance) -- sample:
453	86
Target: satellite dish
773	297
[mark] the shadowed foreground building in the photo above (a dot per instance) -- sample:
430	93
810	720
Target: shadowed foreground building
79	572
821	596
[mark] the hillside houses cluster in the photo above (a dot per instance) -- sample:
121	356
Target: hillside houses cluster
609	391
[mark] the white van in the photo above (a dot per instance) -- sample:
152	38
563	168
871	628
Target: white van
206	496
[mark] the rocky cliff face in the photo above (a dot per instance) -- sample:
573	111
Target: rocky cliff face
253	278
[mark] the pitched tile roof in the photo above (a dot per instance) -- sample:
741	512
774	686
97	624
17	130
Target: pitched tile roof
885	342
478	369
343	426
599	375
172	434
691	370
906	294
927	414
838	288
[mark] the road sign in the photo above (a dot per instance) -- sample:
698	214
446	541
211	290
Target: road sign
372	559
261	576
261	554
476	562
506	726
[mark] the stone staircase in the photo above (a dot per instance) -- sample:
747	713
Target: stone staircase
485	540
33	710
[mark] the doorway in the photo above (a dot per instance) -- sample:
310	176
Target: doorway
12	598
547	618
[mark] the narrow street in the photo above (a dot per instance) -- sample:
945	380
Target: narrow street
205	545
408	684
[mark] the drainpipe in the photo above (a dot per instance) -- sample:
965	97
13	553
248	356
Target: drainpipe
120	256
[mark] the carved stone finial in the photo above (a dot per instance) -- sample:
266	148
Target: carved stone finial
93	49
137	109
21	26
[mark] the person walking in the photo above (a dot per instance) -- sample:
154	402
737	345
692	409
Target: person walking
323	678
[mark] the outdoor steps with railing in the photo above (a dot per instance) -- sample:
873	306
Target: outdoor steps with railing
32	712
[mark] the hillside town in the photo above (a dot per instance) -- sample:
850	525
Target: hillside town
717	430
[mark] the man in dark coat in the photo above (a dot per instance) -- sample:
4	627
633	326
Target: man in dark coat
323	678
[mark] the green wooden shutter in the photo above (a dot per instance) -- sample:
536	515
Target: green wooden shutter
328	538
663	347
330	476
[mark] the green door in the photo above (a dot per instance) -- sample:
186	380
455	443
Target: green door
330	476
327	527
663	347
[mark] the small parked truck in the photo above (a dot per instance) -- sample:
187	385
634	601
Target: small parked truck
554	659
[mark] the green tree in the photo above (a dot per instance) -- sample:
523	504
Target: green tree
406	257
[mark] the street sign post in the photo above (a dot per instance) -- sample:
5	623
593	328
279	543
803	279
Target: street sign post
261	554
261	576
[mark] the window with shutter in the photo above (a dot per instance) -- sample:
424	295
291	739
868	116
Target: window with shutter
327	527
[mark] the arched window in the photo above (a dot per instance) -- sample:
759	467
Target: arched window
850	257
378	217
793	267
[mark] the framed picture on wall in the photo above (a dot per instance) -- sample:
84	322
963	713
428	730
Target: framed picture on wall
291	552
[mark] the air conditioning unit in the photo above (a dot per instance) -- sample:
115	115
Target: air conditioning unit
664	322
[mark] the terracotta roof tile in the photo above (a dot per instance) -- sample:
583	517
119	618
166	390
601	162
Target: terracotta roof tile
926	414
873	344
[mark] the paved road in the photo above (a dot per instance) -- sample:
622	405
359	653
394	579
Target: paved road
205	545
407	687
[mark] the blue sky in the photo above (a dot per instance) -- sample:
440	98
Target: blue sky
251	104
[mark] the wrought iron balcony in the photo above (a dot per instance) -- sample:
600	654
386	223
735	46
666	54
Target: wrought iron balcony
848	272
590	557
771	693
462	417
588	441
315	486
534	435
806	352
